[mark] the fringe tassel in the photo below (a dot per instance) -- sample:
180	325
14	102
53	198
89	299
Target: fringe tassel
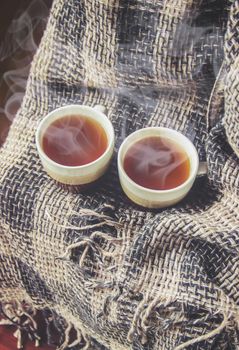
88	242
67	337
205	336
80	336
13	314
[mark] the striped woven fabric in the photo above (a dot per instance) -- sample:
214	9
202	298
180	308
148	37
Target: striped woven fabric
120	277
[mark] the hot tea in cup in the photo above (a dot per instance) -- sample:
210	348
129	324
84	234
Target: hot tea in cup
74	140
75	144
157	163
157	166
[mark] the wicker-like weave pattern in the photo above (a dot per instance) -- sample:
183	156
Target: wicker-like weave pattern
127	277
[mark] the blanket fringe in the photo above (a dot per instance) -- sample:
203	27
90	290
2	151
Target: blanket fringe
20	316
140	324
89	242
205	336
81	336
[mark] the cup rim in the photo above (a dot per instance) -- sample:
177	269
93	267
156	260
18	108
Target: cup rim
192	174
76	167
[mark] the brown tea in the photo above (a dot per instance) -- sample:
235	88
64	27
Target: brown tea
157	163
74	140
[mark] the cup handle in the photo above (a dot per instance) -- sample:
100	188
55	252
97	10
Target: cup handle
202	169
100	108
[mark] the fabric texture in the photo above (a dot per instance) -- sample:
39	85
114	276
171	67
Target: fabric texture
118	275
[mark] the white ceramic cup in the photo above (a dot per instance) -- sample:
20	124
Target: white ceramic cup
83	174
150	198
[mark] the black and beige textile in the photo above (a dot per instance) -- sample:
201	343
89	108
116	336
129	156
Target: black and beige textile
120	277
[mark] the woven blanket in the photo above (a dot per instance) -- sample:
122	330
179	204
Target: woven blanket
120	277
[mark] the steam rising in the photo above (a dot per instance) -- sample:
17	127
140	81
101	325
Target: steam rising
74	137
16	52
20	34
151	93
151	161
74	140
12	105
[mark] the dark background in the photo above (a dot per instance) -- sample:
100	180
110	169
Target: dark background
10	10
